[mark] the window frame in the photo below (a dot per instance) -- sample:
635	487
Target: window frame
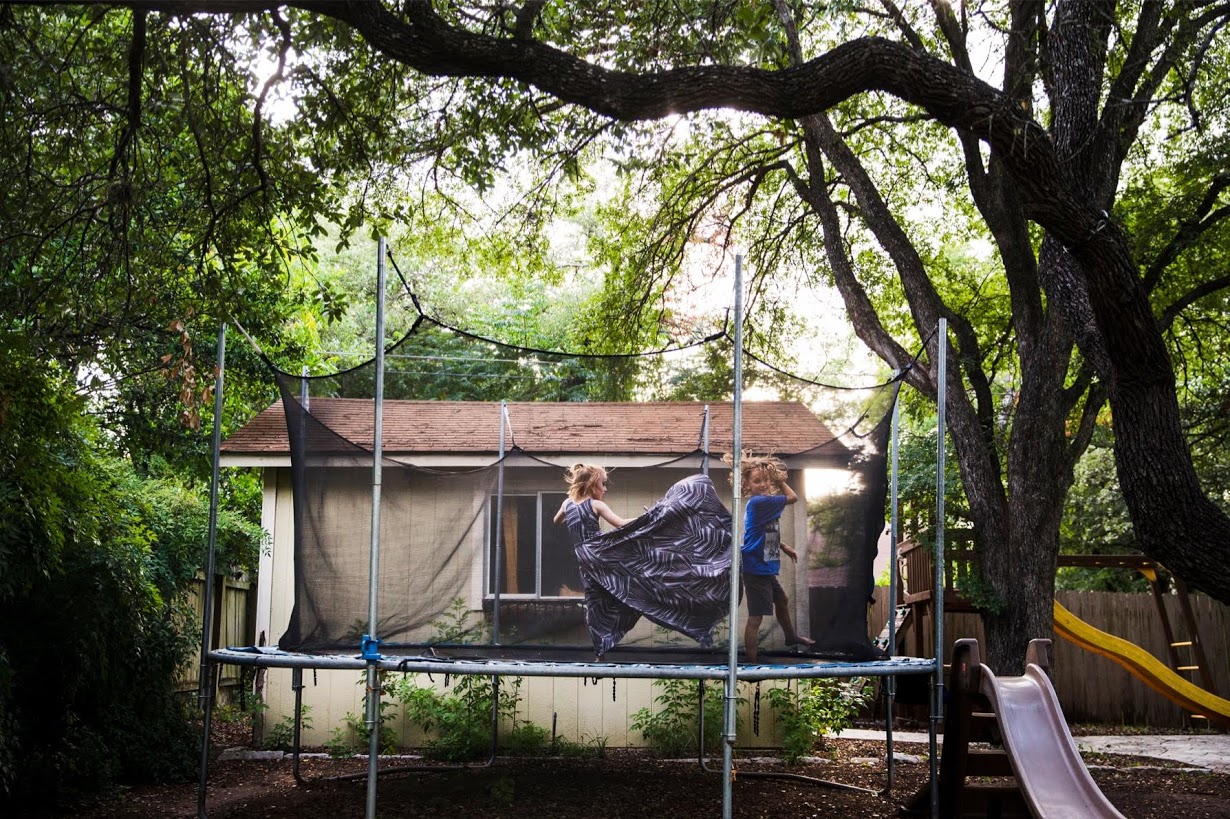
546	502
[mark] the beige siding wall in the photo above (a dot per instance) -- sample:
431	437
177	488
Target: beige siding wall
583	711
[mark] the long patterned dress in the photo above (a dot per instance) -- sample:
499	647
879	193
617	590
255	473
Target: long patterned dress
672	565
605	616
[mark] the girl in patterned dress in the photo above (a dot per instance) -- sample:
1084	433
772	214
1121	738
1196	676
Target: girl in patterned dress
580	511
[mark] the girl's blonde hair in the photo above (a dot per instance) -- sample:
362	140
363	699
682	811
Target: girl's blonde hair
583	480
772	466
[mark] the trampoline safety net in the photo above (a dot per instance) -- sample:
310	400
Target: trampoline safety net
469	554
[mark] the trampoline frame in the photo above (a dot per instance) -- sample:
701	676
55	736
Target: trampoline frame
370	660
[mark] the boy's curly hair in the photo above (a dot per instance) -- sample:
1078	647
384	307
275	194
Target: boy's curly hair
770	464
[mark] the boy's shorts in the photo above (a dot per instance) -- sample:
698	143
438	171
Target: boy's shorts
762	590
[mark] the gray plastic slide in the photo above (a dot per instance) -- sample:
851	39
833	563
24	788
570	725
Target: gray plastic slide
1047	765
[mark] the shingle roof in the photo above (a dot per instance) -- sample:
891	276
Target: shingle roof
652	428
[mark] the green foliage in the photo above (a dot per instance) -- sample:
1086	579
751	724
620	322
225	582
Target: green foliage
454	626
1096	521
341	743
355	736
99	557
281	737
916	484
462	720
815	709
671	729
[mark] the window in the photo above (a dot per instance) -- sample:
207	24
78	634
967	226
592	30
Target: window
539	561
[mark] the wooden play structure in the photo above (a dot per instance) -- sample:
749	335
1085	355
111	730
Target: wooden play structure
1185	677
1031	767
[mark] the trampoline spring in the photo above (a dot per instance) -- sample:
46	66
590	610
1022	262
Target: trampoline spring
613	681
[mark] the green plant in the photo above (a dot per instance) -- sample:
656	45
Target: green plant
587	748
454	625
341	743
355	737
526	739
815	709
461	720
671	730
281	737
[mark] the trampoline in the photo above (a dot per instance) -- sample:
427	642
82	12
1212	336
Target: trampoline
402	509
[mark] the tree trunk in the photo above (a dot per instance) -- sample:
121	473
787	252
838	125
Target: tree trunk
1021	569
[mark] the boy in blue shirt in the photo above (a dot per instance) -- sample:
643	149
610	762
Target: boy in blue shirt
764	479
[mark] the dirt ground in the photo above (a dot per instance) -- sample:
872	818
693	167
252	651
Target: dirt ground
625	784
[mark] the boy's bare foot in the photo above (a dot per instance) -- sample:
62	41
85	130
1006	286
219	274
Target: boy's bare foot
800	640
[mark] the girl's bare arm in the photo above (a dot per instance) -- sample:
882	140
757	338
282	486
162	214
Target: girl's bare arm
603	511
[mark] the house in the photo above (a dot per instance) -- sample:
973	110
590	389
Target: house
446	491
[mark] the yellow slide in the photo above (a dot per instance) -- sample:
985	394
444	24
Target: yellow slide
1142	665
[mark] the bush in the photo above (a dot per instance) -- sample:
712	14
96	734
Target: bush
93	627
815	709
281	737
461	721
671	730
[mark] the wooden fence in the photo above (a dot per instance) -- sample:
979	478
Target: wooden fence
1092	688
234	608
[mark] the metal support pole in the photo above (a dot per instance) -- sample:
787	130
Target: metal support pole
937	596
894	572
497	549
371	641
736	551
704	459
498	580
296	684
206	682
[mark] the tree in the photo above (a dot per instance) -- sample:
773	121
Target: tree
100	558
1084	93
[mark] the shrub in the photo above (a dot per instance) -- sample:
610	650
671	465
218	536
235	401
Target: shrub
98	557
815	709
671	730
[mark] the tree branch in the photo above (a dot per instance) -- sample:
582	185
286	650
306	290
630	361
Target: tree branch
1200	221
1191	297
136	70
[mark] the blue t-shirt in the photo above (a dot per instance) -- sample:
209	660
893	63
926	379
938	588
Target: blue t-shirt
762	541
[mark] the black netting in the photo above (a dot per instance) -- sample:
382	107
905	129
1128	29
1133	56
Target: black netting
469	553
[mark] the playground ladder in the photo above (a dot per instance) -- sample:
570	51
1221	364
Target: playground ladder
1184	650
897	623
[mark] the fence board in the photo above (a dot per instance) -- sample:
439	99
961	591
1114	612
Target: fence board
1092	688
233	627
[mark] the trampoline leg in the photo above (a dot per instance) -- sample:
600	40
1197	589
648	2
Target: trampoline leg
495	719
206	697
700	728
296	684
